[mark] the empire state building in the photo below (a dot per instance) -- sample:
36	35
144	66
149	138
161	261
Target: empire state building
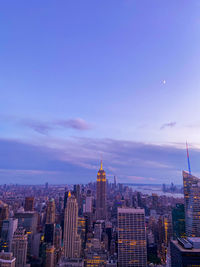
101	194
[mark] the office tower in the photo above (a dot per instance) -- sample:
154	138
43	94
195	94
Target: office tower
192	204
49	233
29	204
51	211
101	195
19	246
115	182
8	228
71	238
49	261
28	220
3	213
132	249
7	259
185	252
178	221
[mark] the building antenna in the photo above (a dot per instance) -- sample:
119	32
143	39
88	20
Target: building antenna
188	158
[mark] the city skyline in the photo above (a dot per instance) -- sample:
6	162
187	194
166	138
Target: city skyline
81	82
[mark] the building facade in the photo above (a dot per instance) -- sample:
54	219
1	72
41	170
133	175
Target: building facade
51	211
19	247
132	250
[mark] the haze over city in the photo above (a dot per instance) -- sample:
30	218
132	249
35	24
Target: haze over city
86	80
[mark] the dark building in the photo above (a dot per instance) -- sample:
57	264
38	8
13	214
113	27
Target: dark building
49	233
178	221
101	194
65	199
185	252
29	204
3	214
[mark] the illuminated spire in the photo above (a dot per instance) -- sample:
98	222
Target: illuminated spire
69	194
188	158
101	168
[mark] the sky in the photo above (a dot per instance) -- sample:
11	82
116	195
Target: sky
81	81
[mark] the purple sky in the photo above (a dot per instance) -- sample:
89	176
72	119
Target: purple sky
85	80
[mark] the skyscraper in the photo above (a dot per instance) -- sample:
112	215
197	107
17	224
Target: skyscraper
101	194
8	228
3	213
28	220
132	251
192	204
51	211
71	238
19	246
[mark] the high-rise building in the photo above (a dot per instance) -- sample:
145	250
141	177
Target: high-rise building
115	182
178	221
51	211
101	194
3	213
8	228
192	204
19	247
7	259
185	252
29	204
132	251
71	239
28	220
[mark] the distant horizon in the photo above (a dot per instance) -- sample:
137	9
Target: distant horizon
127	184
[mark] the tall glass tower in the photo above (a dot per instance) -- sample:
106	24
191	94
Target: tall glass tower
191	186
101	194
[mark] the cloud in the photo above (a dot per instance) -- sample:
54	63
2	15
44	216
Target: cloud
78	124
45	127
77	160
168	125
39	127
